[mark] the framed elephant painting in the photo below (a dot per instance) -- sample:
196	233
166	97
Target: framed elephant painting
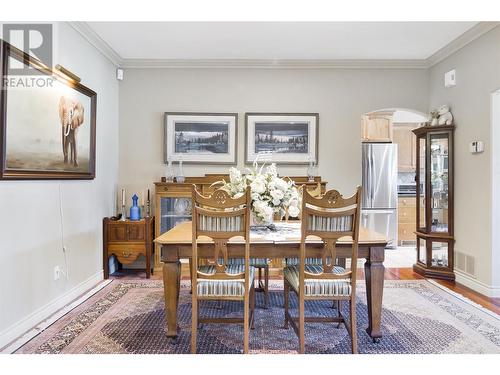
47	121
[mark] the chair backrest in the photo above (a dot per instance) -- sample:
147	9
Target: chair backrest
221	217
330	217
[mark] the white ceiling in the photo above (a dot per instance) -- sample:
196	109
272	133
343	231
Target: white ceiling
278	40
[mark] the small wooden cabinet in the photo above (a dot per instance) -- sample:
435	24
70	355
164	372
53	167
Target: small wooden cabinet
127	240
377	128
407	147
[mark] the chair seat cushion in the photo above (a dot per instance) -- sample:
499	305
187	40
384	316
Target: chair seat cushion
310	261
318	287
256	262
223	288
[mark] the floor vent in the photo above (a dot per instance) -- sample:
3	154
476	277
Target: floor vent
465	263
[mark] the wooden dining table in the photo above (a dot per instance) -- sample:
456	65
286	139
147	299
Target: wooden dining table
284	242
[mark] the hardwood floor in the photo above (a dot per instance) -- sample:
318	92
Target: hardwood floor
492	304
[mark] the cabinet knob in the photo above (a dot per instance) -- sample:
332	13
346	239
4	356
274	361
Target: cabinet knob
404	231
404	214
404	201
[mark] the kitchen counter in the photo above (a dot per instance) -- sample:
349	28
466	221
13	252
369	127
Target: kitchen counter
407	194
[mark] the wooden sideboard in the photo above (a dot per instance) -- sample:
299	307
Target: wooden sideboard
127	240
173	201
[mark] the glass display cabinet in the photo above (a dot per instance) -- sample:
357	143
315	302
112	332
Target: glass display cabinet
434	180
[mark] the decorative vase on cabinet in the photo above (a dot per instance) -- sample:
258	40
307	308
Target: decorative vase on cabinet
434	179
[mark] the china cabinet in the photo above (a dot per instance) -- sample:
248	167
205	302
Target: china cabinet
434	229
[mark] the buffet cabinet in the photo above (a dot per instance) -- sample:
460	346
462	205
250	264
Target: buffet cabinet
173	201
127	240
434	211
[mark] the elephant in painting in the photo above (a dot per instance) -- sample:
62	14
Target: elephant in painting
71	114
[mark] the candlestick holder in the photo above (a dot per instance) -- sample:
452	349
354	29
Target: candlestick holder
124	214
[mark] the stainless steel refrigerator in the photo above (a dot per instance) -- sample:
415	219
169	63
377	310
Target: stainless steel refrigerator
380	190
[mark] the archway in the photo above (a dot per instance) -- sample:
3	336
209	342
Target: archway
389	167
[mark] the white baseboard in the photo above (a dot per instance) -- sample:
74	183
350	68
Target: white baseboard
32	320
476	285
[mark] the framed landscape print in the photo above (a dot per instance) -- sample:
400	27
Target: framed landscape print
201	137
291	138
47	122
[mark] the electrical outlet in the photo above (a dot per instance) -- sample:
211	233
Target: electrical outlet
57	273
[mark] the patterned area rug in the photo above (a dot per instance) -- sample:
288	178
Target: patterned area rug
128	317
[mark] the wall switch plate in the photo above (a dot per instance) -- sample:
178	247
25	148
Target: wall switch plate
119	74
57	273
450	78
476	147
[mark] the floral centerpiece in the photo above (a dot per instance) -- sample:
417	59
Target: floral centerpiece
270	194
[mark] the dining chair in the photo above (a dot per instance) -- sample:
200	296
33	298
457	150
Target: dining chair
327	218
222	218
261	265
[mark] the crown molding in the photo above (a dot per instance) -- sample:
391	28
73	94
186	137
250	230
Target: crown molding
95	40
472	34
272	64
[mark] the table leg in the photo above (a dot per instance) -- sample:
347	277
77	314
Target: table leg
374	277
171	286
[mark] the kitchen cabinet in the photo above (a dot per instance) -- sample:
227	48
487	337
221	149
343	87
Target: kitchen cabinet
407	212
407	147
376	128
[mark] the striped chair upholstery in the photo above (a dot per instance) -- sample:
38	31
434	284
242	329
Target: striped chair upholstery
262	282
256	262
318	287
308	261
223	224
223	288
329	224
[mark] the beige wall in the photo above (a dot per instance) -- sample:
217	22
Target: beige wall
340	96
30	225
478	76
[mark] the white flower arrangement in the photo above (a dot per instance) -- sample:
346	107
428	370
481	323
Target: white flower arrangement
270	193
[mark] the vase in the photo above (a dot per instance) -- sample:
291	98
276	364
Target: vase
256	221
135	213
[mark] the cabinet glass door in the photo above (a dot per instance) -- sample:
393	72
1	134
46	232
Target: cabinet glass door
422	250
439	254
439	182
421	179
174	211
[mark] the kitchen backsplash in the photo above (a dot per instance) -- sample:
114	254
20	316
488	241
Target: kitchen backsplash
405	178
